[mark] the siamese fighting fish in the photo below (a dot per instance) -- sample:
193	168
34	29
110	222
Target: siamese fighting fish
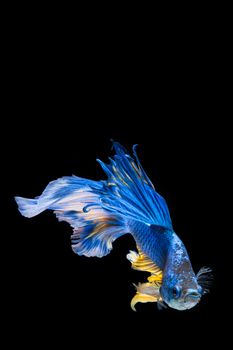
126	202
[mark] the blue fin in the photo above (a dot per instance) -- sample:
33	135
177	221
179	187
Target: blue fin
28	207
130	191
98	210
77	201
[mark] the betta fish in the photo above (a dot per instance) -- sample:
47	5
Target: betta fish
126	202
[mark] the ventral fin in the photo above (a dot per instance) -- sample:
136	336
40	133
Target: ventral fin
146	293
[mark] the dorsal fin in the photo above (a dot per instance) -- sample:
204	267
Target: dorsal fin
128	182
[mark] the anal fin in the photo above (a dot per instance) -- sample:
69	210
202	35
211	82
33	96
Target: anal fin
149	291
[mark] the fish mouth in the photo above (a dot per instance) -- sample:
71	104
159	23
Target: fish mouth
192	295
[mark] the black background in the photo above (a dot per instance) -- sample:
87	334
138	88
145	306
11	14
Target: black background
64	102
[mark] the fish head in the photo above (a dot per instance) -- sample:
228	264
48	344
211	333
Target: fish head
181	288
181	299
181	291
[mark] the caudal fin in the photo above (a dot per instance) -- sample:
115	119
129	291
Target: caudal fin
99	211
78	202
28	207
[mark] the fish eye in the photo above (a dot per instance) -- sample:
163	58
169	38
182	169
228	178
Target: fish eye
176	291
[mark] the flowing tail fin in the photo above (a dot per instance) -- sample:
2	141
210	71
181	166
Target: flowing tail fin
28	207
99	211
78	202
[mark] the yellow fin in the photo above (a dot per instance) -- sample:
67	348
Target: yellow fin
157	279
146	292
141	298
141	262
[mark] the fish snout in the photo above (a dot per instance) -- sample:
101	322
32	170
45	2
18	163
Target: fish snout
192	295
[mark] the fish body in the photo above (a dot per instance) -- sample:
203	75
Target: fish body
127	202
168	252
154	241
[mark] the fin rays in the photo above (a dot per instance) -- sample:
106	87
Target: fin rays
149	291
138	198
